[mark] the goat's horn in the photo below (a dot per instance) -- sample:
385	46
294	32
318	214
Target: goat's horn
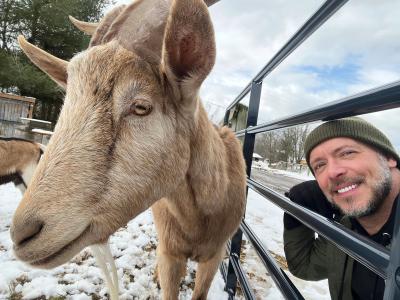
56	68
210	2
86	27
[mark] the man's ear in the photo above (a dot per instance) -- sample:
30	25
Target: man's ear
392	163
188	53
54	67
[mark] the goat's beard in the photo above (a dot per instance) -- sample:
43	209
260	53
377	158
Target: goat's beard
380	190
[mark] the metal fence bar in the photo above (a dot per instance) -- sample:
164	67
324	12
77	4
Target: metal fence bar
381	98
240	97
392	290
249	140
248	146
310	26
281	280
231	277
224	270
241	132
241	275
367	252
234	260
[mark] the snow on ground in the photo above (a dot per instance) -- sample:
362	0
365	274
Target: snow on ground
266	220
304	175
133	248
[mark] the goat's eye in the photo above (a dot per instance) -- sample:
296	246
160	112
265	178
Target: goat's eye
141	107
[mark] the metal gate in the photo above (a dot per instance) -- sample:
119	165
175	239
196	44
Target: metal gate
383	262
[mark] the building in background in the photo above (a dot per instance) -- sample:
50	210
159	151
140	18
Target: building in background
16	119
238	117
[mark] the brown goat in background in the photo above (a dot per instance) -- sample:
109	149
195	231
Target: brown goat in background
18	161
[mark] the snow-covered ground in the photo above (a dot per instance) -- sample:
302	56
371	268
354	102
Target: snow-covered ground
133	248
304	175
266	220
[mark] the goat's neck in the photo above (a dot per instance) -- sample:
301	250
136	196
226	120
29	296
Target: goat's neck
206	179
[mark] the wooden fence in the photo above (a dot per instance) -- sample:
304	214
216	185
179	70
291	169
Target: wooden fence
16	120
13	107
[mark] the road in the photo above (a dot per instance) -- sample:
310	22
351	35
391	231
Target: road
271	179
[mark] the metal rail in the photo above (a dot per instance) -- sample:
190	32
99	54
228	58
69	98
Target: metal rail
381	98
281	280
244	283
248	146
377	258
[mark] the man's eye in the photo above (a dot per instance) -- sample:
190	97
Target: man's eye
318	166
348	152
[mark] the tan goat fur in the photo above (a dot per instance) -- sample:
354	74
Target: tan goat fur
18	160
133	134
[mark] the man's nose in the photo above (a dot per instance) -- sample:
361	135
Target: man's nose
335	170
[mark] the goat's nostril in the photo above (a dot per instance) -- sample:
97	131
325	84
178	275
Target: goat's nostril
23	233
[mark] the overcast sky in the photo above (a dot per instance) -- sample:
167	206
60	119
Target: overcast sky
357	49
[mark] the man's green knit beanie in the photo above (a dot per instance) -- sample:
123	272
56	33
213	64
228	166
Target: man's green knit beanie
354	128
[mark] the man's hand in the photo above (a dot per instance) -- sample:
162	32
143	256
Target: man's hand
309	195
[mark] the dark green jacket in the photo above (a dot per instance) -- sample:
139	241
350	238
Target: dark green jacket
313	259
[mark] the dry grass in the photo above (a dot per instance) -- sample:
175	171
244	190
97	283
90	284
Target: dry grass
150	247
95	297
280	260
14	295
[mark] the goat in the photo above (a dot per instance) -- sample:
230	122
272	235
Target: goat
133	134
18	160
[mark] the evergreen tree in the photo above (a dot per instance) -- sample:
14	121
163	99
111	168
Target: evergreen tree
45	24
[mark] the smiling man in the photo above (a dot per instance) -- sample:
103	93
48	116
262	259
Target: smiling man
357	183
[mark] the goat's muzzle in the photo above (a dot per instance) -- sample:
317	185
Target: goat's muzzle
25	231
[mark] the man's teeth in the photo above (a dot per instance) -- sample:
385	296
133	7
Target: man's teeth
347	188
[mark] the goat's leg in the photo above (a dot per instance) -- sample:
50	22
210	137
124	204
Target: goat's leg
205	274
170	272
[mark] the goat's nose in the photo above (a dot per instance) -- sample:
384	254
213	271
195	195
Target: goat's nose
22	232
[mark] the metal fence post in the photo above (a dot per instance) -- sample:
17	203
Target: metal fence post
248	147
226	118
392	289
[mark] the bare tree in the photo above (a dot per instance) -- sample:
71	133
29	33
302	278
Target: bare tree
285	145
266	145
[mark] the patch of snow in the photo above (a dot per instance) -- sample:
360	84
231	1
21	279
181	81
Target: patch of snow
42	131
256	155
42	286
301	176
305	174
266	220
133	248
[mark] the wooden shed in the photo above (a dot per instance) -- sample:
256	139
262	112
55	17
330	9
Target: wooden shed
238	117
13	107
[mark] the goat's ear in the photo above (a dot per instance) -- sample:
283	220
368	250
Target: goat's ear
54	67
189	46
86	27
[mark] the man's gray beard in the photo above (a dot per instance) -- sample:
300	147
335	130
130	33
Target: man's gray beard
380	190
